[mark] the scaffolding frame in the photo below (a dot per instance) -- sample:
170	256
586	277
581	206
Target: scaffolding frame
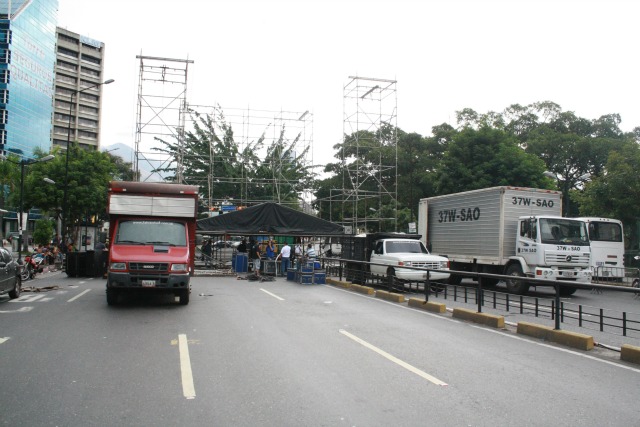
250	125
368	192
161	113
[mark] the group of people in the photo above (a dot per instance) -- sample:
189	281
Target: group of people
286	256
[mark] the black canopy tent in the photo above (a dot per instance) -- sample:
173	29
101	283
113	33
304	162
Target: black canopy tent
268	219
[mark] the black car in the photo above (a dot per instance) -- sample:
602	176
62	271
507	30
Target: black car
10	281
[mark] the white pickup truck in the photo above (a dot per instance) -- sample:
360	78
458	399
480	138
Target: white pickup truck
388	253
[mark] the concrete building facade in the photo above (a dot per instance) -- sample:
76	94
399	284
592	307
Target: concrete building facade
78	93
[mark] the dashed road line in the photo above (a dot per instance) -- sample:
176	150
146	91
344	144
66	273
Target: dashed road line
79	295
188	389
394	359
273	295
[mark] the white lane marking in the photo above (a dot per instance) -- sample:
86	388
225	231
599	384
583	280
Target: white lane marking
188	389
20	310
394	359
4	339
273	295
28	298
78	296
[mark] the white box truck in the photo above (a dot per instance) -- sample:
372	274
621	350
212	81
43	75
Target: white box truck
507	230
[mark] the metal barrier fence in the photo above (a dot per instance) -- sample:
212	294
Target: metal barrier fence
617	275
588	317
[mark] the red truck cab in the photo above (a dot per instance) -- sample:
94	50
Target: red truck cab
152	238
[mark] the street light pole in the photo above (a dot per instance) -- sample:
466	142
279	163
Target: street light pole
66	163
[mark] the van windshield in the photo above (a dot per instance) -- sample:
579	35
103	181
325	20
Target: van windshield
141	232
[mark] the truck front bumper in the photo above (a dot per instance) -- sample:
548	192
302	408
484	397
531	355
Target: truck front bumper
418	275
582	276
156	281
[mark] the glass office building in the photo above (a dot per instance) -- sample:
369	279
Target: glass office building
27	64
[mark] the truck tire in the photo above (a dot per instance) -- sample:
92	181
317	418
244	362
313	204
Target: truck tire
184	297
567	290
391	277
515	286
454	279
112	296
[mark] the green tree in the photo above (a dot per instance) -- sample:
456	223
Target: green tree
43	232
485	158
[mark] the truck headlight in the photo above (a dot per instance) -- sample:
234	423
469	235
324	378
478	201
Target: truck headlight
179	267
118	266
444	265
407	263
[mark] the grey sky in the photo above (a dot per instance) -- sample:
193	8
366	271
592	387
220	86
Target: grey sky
297	55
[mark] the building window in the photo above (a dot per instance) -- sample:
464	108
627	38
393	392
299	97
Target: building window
4	76
67	38
91	59
90	72
4	96
66	79
5	36
88	97
4	116
5	56
67	66
67	52
87	135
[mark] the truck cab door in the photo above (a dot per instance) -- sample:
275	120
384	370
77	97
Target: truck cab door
527	240
378	250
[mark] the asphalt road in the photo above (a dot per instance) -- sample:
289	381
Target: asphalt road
282	354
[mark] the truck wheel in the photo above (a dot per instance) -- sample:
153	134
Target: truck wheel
454	279
184	297
112	297
567	290
515	286
15	293
391	277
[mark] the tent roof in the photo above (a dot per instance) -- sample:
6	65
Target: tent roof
269	218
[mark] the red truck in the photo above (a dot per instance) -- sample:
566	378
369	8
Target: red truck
152	238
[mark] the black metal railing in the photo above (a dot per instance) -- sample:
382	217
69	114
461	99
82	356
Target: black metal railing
618	322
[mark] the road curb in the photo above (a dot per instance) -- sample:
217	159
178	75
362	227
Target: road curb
568	338
339	283
390	296
434	307
630	353
487	319
362	289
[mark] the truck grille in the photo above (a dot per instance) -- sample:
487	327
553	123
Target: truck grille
149	267
566	259
430	265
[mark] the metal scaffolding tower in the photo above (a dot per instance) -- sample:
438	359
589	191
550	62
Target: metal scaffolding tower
249	125
161	113
368	197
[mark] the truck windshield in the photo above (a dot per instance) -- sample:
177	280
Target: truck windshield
141	232
563	231
408	246
605	231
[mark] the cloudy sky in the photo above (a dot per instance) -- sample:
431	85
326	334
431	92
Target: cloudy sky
298	55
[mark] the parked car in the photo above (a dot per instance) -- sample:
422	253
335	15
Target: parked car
10	282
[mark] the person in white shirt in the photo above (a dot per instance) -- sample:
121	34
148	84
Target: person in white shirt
285	255
311	253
